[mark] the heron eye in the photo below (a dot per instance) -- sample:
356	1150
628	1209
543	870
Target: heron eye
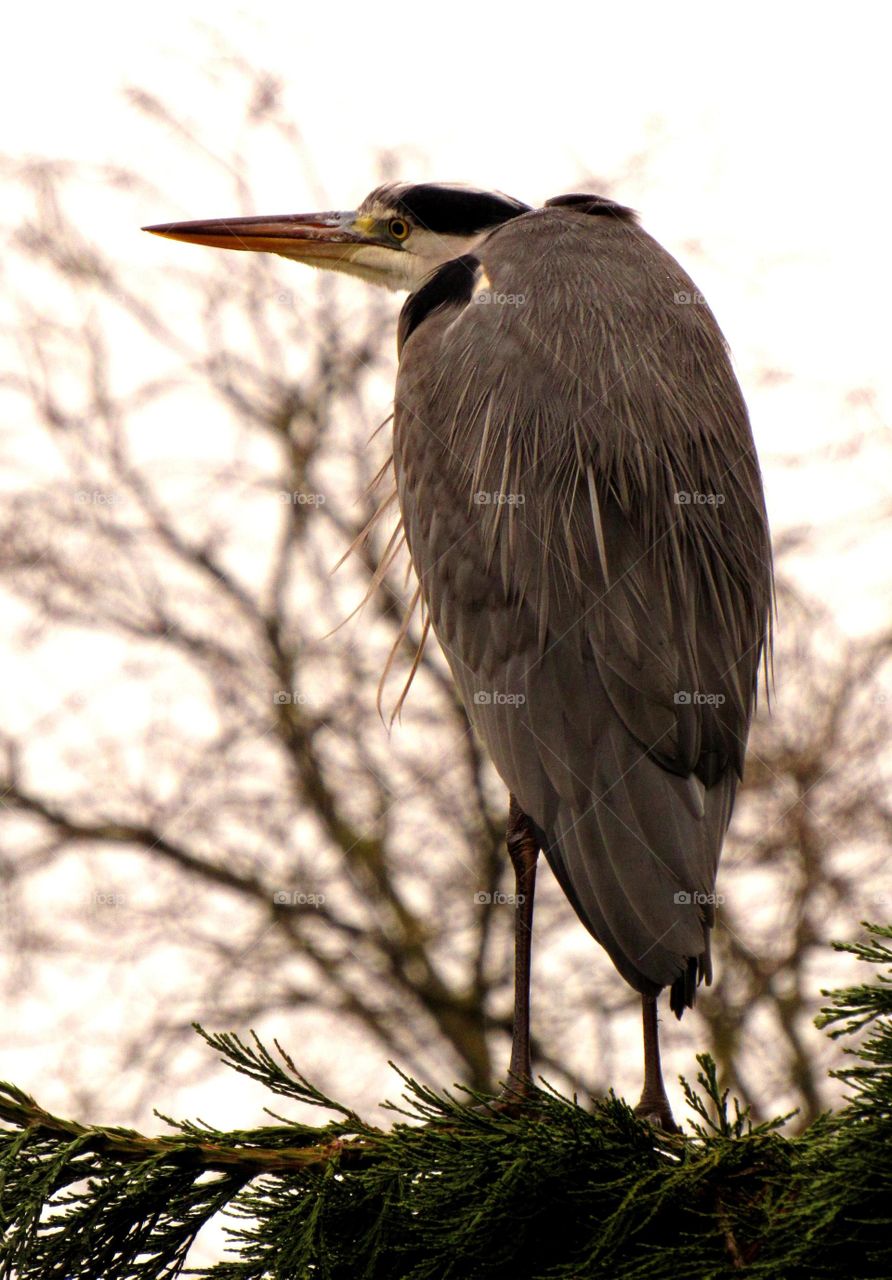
398	228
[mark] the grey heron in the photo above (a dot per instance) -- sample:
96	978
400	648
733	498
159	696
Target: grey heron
583	507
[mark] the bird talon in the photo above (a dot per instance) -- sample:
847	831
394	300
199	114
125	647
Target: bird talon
513	1100
658	1115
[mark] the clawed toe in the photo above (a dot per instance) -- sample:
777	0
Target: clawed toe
658	1114
513	1100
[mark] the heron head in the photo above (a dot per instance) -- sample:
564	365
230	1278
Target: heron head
398	235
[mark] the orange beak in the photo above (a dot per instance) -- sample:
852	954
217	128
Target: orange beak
314	238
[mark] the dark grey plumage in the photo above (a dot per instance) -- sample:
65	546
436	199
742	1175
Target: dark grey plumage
559	397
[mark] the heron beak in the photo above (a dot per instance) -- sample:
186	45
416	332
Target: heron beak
314	238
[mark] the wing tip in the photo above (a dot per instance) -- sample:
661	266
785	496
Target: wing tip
684	989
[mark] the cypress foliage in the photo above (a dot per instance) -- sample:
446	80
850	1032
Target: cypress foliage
452	1190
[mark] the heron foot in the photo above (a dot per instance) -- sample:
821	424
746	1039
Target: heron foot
516	1097
657	1112
653	1105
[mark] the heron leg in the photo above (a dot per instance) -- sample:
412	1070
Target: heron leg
523	849
653	1104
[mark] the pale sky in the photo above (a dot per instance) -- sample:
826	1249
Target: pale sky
765	126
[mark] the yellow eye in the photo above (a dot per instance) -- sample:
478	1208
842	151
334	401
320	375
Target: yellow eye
398	228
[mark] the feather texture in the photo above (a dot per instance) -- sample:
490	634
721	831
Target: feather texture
582	504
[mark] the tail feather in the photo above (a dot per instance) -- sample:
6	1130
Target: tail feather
639	863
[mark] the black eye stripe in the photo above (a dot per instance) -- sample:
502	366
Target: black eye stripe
457	212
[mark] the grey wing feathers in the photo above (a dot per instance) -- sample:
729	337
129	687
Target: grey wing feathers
583	507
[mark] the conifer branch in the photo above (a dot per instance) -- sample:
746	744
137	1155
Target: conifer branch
554	1191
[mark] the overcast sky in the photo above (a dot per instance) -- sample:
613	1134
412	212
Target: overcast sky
765	129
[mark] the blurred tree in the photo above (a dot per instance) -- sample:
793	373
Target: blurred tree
199	793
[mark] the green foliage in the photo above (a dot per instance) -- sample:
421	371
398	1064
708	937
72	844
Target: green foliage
457	1190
